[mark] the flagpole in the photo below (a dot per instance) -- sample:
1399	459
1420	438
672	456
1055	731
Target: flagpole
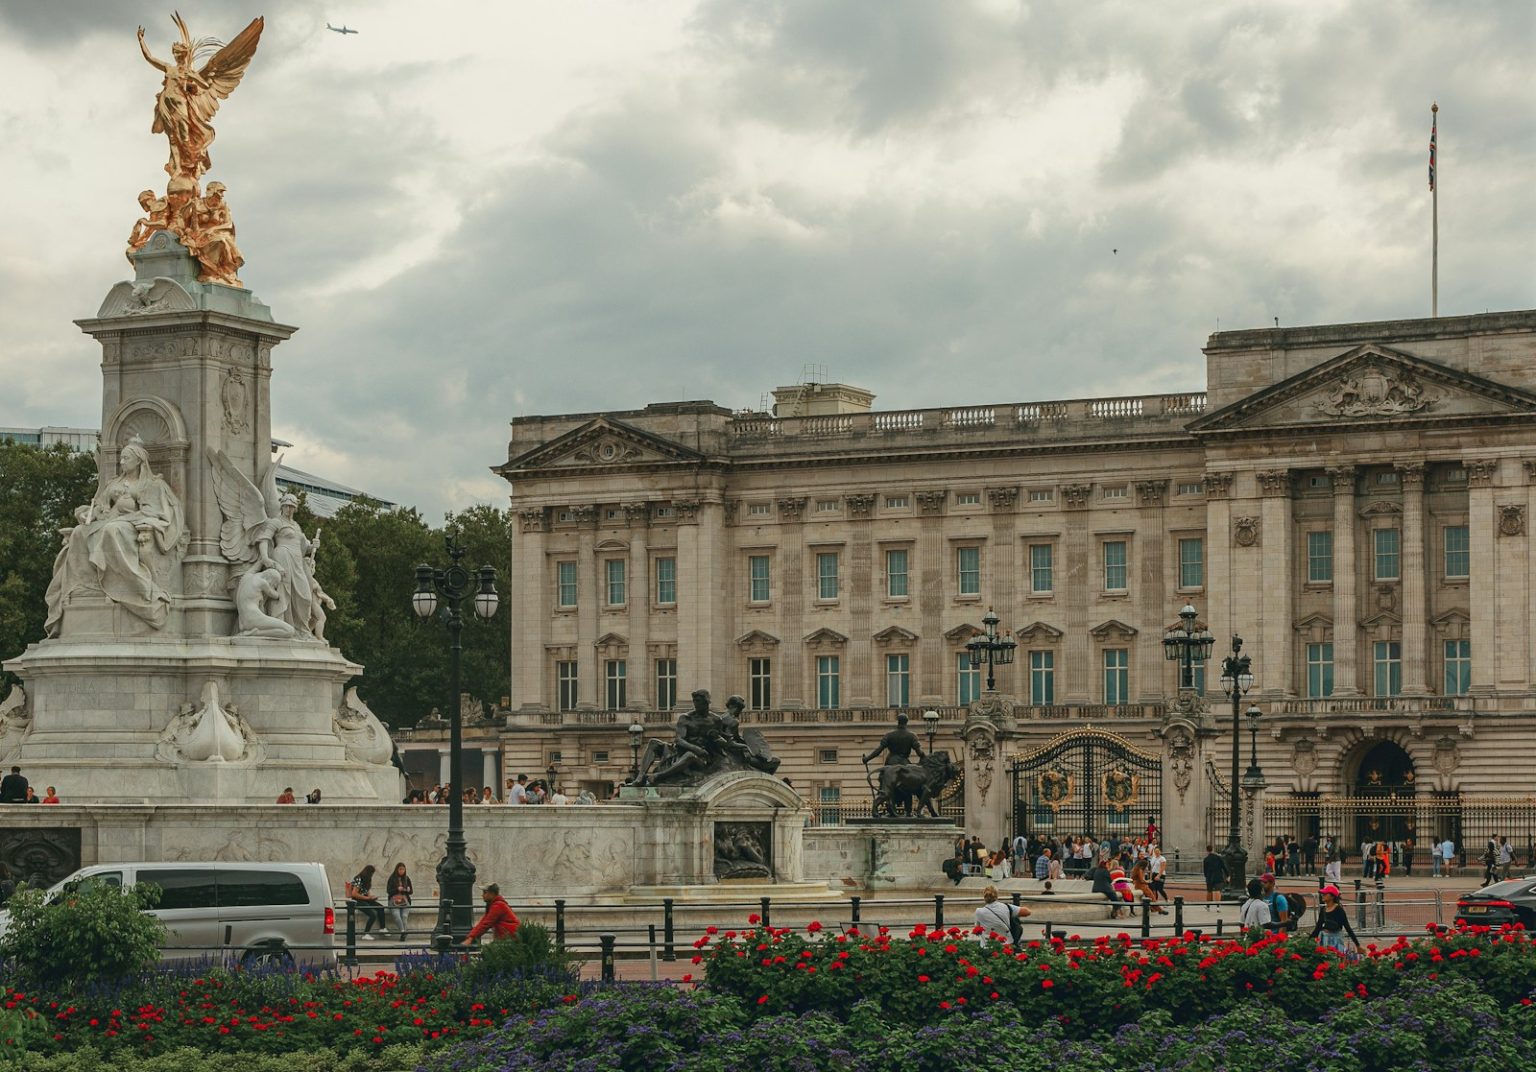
1434	201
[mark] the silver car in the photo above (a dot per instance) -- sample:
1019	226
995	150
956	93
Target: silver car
254	912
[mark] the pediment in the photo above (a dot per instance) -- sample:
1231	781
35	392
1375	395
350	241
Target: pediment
757	640
1381	618
826	637
603	442
1454	616
1370	384
1114	629
1313	621
1035	632
894	634
611	641
962	632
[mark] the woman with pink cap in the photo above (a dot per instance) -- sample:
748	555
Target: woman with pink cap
1333	924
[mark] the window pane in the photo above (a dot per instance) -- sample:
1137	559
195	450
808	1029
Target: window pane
828	682
1114	565
757	569
615	674
666	580
1458	667
666	684
1191	563
760	679
615	567
968	568
1040	567
898	680
1319	556
826	575
968	689
1042	678
565	575
1458	560
565	681
1116	675
248	889
1319	670
896	574
1386	554
1389	667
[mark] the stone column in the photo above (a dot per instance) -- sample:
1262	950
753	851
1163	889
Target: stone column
589	597
488	772
1346	614
641	672
1484	583
1416	667
858	673
1001	597
444	765
1080	582
789	598
934	559
529	594
986	782
1220	579
1152	541
1276	666
702	591
1512	552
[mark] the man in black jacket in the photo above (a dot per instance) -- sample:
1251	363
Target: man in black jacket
13	787
1215	874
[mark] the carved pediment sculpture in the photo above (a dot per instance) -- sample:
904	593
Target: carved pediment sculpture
1376	390
361	731
209	732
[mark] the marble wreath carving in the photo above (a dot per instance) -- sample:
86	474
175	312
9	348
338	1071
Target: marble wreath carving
273	575
124	544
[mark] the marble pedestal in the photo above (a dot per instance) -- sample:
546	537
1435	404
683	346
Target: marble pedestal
109	719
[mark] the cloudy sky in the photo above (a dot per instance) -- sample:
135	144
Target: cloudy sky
476	210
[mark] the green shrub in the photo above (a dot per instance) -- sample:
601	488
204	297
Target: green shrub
90	935
531	952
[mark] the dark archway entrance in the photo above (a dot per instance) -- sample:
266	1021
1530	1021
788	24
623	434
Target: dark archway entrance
1384	785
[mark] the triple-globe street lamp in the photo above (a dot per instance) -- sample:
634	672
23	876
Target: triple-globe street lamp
991	648
448	588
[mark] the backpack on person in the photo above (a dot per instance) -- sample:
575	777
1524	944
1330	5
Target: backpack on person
1296	907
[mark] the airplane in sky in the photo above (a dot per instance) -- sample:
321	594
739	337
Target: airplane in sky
342	29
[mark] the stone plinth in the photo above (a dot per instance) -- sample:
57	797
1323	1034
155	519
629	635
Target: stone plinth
892	855
676	842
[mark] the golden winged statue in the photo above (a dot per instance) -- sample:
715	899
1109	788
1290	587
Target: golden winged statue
184	110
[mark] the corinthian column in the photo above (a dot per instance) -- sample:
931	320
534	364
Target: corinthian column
1415	613
1346	612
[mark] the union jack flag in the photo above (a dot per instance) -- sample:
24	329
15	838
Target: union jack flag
1432	127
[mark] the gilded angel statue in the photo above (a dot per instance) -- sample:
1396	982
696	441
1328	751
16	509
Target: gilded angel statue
274	587
189	99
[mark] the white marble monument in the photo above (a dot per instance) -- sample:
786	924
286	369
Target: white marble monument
185	658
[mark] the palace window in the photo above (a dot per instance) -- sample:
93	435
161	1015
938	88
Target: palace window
1386	548
826	755
1042	495
565	584
615	673
1114	566
829	681
1458	557
615	571
666	684
759	509
666	581
1319	670
896	574
565	684
1387	660
968	571
1458	667
1319	557
967	680
757	578
898	680
760	683
967	498
1117	675
826	575
1192	562
1040	578
1042	678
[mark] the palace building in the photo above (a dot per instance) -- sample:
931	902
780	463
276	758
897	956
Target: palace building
1353	500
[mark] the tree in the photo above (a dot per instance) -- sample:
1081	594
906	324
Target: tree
39	491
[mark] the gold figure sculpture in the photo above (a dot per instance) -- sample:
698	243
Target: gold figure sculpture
184	110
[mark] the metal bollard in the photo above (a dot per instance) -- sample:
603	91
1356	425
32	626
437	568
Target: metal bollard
652	928
1381	904
1146	918
668	952
351	958
938	911
607	956
1178	915
1018	900
765	904
855	901
1359	905
1218	927
1048	931
560	923
442	936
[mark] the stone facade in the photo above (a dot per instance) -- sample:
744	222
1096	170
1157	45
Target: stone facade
1351	499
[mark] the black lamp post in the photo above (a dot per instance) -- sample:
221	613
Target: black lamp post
931	721
1187	642
993	649
1236	680
455	872
549	780
636	734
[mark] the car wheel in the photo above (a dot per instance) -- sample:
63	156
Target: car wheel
268	956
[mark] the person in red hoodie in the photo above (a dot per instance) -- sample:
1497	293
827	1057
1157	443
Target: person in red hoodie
499	918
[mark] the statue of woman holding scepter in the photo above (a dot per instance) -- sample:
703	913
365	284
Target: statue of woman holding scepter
189	98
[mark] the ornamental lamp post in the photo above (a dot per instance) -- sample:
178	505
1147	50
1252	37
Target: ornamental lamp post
931	720
550	773
995	650
1236	680
636	733
455	872
1189	642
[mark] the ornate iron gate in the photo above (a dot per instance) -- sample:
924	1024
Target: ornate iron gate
1086	782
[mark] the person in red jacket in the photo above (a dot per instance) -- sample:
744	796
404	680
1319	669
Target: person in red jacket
499	918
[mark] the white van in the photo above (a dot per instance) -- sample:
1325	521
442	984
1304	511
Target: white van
250	911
